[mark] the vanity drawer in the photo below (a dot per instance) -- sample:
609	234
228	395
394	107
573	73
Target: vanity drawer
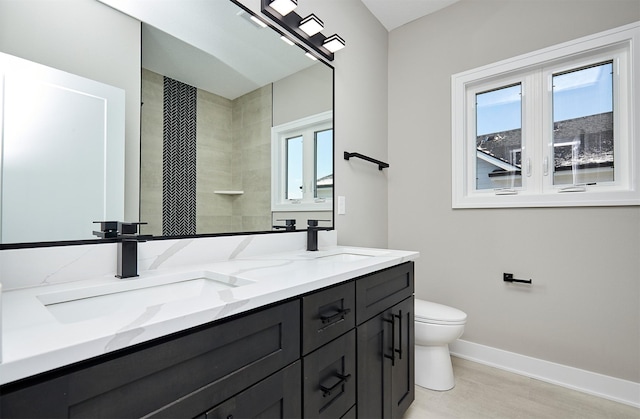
329	385
383	289
326	315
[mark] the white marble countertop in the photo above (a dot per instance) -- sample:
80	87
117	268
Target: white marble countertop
39	335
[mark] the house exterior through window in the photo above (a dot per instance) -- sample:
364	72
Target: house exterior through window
555	127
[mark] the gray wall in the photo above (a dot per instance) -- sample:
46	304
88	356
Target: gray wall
360	120
583	309
46	31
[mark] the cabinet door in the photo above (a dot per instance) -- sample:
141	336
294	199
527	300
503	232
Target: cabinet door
403	370
329	378
374	369
276	397
386	363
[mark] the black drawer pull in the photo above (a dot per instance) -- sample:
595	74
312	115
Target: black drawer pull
326	391
399	350
333	317
392	357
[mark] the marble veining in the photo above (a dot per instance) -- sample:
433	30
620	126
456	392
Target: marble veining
169	253
243	245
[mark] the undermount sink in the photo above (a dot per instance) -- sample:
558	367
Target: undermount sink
75	305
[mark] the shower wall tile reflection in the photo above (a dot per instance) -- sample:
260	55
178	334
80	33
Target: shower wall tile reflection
151	152
233	154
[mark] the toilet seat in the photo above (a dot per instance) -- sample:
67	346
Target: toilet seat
434	313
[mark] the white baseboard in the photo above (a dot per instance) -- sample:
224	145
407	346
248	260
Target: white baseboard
611	388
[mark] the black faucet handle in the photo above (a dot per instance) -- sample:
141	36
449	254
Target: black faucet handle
108	229
290	224
129	228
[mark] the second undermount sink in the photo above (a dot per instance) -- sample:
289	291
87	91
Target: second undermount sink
79	304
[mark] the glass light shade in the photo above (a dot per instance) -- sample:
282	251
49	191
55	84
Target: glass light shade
311	25
284	7
310	56
333	43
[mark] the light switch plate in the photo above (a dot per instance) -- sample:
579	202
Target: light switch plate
342	205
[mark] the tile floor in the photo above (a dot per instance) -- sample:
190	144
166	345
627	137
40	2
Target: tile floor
486	392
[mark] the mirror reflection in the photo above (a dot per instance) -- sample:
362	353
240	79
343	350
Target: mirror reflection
211	93
61	153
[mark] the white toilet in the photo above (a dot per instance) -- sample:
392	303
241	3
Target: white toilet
437	325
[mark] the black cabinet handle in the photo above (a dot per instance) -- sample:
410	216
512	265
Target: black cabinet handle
392	357
326	391
399	350
333	317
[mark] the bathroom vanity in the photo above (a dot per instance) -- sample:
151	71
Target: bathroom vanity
324	336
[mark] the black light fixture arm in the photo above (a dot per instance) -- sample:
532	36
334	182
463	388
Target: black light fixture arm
381	164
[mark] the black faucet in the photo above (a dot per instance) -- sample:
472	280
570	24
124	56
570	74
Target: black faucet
128	249
312	234
128	238
290	225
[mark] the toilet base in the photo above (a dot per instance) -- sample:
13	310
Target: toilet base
433	367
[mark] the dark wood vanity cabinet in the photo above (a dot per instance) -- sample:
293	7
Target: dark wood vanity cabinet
386	363
386	326
383	329
341	352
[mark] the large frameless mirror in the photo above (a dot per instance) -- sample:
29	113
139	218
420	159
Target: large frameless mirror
212	92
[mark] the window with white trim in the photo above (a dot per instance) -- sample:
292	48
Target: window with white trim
556	127
302	169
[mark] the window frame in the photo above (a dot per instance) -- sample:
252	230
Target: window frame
535	71
307	127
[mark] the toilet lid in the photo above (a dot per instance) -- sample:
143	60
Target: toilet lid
428	312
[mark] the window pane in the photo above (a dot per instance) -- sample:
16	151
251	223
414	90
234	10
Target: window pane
583	125
324	164
294	168
499	138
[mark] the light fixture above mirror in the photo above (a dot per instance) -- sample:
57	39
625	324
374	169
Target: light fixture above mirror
308	29
311	25
334	43
284	7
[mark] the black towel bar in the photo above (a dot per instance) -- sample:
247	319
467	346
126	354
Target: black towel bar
381	164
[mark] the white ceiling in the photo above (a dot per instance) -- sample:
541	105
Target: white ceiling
395	13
